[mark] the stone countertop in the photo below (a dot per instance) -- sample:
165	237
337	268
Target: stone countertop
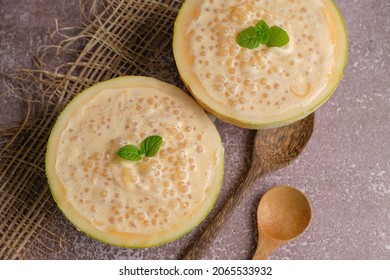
344	171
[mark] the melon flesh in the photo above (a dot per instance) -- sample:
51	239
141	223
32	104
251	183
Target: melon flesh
134	203
262	87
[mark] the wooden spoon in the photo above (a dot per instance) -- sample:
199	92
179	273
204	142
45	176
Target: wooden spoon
283	214
273	149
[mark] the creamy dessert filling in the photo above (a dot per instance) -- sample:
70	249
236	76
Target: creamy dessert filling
263	81
156	194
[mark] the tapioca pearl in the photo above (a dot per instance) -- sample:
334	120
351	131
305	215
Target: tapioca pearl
233	50
172	193
131	213
243	57
94	209
185	205
103	194
144	169
181	175
118	206
162	153
166	184
247	83
165	100
152	209
223	51
176	163
232	71
172	130
232	89
165	213
242	100
220	79
156	215
141	216
74	138
254	64
165	193
182	162
152	124
232	103
188	128
191	160
263	81
111	220
218	87
116	211
172	176
182	187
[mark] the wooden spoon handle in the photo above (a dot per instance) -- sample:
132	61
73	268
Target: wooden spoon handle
265	247
202	243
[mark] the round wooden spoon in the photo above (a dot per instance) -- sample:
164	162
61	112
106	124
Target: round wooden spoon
283	214
273	149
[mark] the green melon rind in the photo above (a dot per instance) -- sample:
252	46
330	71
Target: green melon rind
254	125
48	162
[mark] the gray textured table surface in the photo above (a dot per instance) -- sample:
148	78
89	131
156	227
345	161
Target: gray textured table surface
345	170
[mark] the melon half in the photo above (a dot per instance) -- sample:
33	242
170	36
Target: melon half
266	86
141	203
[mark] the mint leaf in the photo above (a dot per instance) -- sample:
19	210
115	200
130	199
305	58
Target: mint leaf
277	37
249	38
150	145
262	31
129	152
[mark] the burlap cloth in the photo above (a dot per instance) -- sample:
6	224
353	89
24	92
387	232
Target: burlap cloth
118	37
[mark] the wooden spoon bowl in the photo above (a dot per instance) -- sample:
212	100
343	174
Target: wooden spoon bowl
283	214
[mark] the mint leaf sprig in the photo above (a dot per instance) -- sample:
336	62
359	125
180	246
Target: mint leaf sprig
251	37
149	147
